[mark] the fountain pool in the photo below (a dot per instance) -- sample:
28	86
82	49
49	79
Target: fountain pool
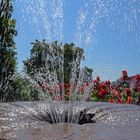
111	121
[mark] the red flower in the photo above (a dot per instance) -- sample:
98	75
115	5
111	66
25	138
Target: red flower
128	91
137	77
103	85
119	101
81	89
64	85
111	101
108	82
102	92
129	100
124	73
96	82
98	78
116	93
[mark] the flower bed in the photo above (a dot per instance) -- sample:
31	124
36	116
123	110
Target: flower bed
124	90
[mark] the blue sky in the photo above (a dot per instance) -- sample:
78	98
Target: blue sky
108	30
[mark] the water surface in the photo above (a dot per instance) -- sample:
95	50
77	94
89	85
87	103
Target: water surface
113	122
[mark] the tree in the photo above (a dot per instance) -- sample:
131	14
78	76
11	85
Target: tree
72	60
87	76
45	63
7	47
55	66
59	61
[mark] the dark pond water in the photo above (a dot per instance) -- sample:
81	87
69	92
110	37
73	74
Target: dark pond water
113	122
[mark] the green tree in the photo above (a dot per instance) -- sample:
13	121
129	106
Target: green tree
24	89
52	64
45	62
87	76
61	61
72	60
7	47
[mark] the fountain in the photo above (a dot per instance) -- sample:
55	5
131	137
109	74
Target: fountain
33	120
73	118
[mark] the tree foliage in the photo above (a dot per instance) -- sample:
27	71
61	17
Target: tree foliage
87	74
61	61
7	47
72	60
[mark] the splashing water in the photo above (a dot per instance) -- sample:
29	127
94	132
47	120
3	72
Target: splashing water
94	12
40	17
46	20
